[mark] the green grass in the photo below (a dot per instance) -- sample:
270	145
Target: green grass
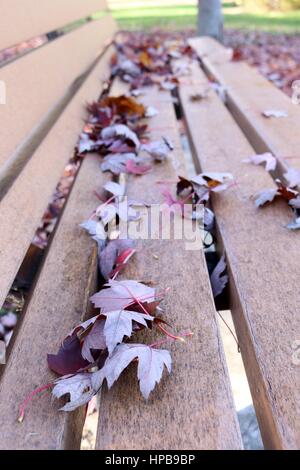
184	16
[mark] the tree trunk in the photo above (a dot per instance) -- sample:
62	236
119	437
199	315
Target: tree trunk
210	18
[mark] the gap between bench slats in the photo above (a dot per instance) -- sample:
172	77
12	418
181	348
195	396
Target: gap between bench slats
38	86
25	19
23	206
193	407
263	261
249	94
59	301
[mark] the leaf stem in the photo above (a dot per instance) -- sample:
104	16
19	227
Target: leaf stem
29	397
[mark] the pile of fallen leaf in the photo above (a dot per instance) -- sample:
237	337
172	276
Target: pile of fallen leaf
276	56
99	349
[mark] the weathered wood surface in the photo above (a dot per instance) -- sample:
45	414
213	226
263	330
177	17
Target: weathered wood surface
193	407
263	261
248	95
25	19
22	207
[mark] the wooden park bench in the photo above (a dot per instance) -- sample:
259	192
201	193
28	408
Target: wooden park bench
193	408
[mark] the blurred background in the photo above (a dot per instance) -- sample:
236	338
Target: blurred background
281	16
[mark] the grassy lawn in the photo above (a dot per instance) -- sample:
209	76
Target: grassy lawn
184	16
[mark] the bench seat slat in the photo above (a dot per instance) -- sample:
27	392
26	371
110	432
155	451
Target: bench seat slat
60	298
38	85
248	95
25	19
263	261
35	185
193	407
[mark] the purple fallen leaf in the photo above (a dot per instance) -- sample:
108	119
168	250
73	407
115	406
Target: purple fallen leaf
137	169
96	230
276	113
119	323
86	144
151	363
218	277
209	218
159	150
78	387
121	262
109	255
95	339
116	163
204	178
68	360
266	158
115	188
264	196
121	294
128	67
294	225
168	86
293	177
151	112
295	203
120	130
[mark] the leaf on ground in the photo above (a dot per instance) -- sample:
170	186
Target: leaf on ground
128	67
69	359
115	188
295	203
124	106
116	163
264	196
276	113
212	180
121	294
78	387
119	324
95	339
294	225
218	277
209	219
108	257
151	112
151	363
120	130
158	150
293	177
96	229
267	158
285	192
86	144
137	168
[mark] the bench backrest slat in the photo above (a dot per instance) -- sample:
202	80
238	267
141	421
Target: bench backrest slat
21	20
38	86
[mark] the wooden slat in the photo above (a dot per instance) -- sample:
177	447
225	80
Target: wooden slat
24	19
28	197
37	84
263	260
59	301
249	94
193	407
